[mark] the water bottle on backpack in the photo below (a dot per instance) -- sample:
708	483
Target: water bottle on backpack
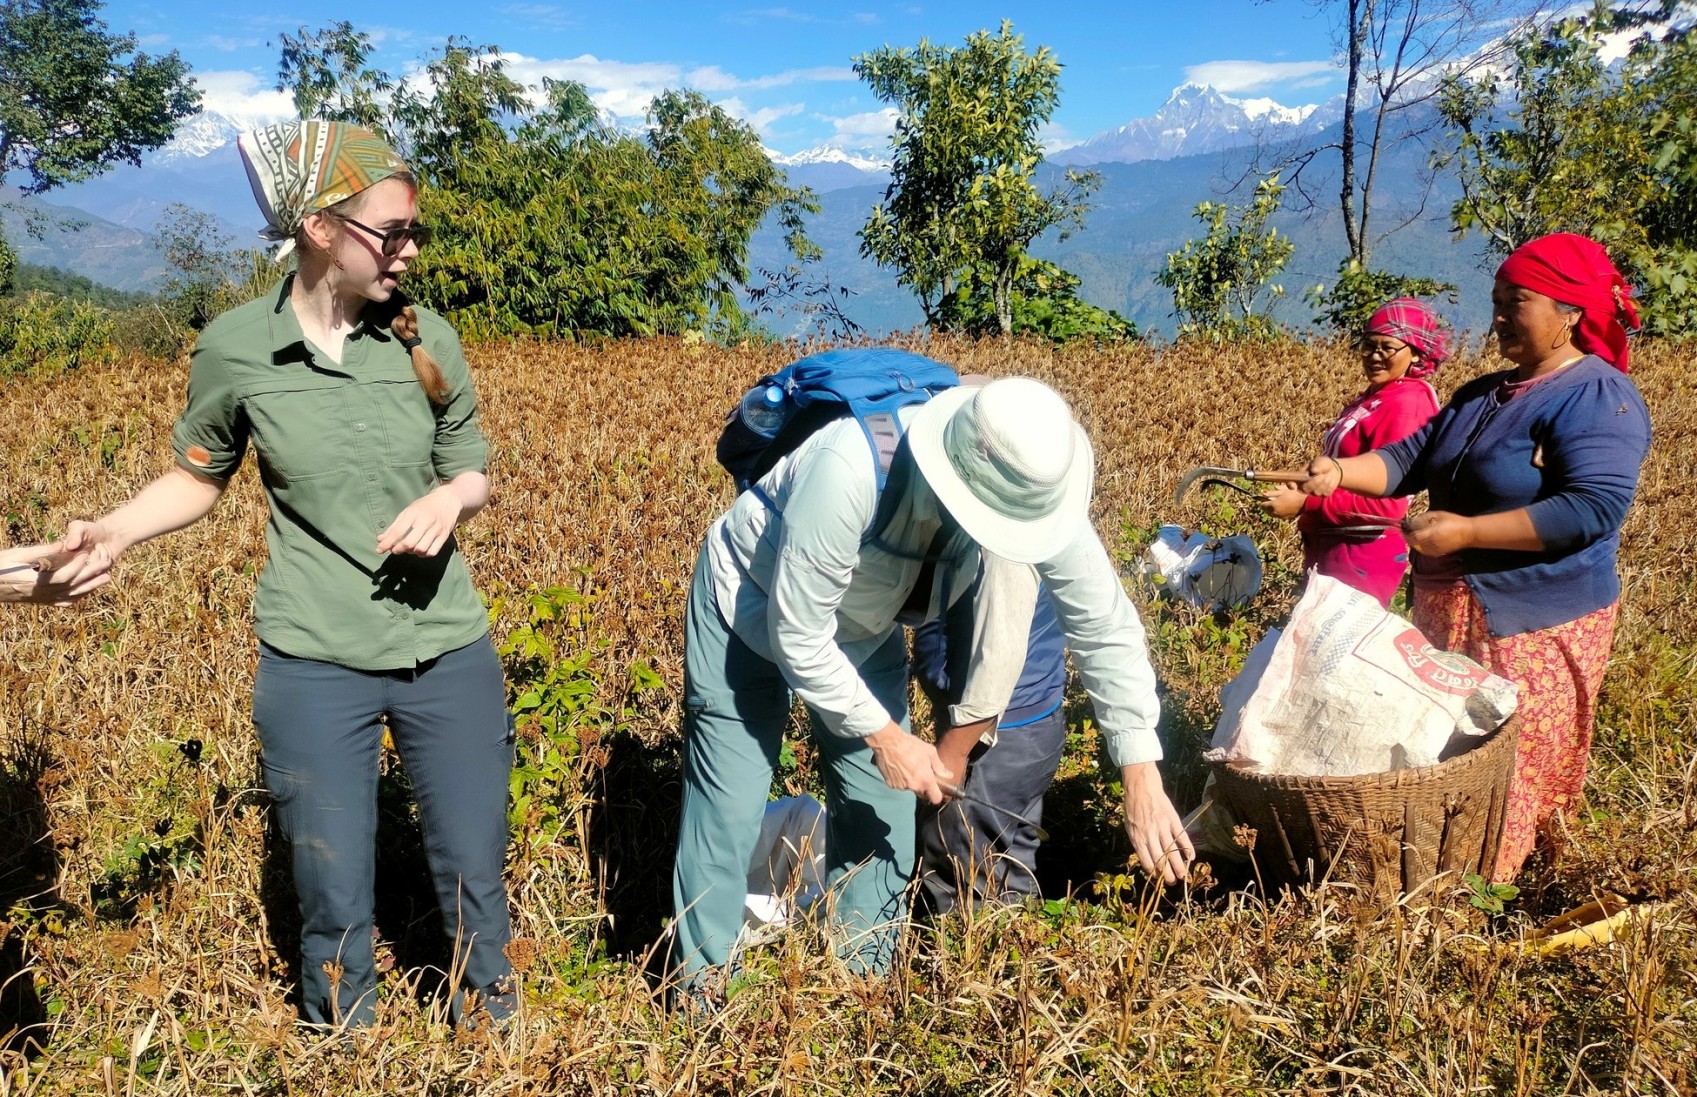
763	410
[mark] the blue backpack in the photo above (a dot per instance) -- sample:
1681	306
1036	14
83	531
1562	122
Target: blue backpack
783	409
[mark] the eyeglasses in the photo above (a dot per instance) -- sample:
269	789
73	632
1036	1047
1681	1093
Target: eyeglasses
396	239
1380	350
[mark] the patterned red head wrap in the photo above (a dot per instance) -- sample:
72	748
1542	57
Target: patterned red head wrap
1417	325
1575	270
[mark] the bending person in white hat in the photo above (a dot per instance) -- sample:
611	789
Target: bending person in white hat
790	593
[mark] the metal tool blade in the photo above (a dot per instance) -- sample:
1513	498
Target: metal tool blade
958	793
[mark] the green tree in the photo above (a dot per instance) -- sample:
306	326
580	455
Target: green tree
1044	303
962	201
1346	305
1563	142
209	274
75	99
549	221
1219	281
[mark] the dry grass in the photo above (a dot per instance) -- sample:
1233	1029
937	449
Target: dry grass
150	931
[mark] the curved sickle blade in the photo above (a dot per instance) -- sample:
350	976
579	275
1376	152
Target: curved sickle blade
1198	473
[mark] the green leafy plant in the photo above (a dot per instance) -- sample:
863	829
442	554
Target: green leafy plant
1221	282
1044	302
42	334
550	222
1487	896
1563	139
1346	304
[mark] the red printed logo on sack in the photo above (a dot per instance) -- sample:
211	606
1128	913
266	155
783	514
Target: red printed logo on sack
1439	669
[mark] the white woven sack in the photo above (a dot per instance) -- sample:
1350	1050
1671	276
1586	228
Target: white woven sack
1351	689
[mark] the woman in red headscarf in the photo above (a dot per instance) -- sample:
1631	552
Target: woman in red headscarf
1530	473
1351	537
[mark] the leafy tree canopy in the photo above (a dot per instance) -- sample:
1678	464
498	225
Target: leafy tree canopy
75	99
548	221
1564	142
1219	281
1044	303
962	201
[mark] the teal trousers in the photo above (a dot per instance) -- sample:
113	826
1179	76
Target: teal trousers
736	705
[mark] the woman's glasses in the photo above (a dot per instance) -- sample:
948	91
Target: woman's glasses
1374	349
396	239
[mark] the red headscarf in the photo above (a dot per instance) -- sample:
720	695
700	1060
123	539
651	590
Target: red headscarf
1575	270
1417	325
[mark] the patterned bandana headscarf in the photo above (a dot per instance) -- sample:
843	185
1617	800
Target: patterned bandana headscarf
300	167
1575	270
1417	325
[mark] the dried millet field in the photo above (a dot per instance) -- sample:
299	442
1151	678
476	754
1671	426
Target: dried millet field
149	925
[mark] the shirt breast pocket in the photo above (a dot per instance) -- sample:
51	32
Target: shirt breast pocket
299	427
409	421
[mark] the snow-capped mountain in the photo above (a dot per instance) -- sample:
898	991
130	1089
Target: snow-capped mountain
827	167
860	159
1197	118
198	137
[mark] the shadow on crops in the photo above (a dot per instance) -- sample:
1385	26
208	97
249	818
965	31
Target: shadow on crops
634	836
29	865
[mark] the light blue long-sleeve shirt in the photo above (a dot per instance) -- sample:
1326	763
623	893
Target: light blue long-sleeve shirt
796	580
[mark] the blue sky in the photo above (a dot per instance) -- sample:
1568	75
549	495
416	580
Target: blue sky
783	68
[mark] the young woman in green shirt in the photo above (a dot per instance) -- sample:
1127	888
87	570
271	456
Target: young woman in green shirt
361	411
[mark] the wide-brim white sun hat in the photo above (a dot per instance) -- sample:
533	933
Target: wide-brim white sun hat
1009	463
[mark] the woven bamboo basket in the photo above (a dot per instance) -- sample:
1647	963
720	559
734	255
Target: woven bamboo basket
1387	833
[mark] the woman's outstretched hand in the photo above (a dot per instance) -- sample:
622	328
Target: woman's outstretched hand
48	575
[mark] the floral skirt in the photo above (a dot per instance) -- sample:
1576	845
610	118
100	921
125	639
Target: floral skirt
1559	671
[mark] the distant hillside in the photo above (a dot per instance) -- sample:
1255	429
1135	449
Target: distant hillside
1143	212
75	240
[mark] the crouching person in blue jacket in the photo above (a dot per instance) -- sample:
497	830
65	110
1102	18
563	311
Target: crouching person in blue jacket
794	591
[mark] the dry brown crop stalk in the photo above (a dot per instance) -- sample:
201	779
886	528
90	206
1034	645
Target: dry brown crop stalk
604	481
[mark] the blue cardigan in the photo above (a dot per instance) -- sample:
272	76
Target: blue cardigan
1569	451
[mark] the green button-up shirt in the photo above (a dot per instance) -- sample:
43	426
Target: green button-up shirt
343	448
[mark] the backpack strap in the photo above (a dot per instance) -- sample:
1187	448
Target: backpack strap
884	434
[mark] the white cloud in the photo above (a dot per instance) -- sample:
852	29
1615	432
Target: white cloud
620	88
760	118
1053	137
244	97
625	88
1230	76
871	129
820	75
785	15
224	44
752	16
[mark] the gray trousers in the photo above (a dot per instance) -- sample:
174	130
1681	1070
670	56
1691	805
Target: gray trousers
321	733
970	854
736	704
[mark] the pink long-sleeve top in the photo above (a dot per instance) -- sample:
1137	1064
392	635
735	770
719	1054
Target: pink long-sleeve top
1371	562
